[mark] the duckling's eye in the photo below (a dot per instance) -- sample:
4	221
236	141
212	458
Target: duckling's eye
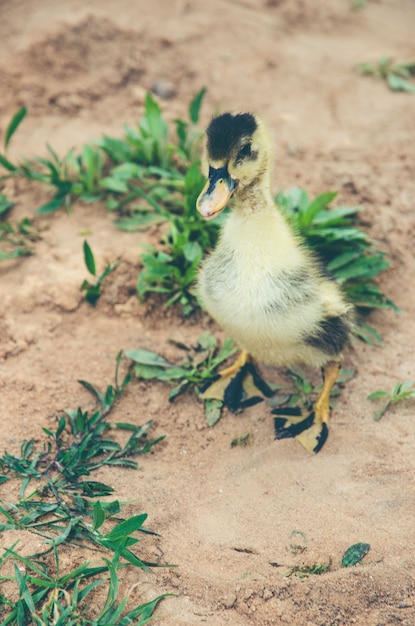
244	152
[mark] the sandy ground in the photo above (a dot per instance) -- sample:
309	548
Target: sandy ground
225	515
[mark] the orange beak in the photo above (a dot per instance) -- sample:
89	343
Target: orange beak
216	193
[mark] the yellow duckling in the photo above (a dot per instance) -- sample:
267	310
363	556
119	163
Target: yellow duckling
261	284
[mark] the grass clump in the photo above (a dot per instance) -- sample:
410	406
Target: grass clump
347	251
15	239
306	570
144	178
93	290
191	374
300	391
65	508
401	391
140	176
171	268
352	556
398	76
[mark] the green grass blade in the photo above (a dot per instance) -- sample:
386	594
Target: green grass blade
126	527
8	165
378	394
52	206
397	83
147	357
99	515
195	105
13	125
95	392
89	259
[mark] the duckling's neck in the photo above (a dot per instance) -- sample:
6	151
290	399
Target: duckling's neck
256	227
255	197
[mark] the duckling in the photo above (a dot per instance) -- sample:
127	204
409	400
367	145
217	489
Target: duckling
261	284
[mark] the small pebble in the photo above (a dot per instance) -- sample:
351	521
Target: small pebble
163	89
404	605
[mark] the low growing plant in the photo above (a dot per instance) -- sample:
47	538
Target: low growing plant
401	391
65	509
144	178
347	251
16	239
93	290
191	374
398	76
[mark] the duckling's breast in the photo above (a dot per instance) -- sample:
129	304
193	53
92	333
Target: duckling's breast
265	308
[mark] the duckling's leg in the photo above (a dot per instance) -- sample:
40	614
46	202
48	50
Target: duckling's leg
242	359
322	405
237	384
312	431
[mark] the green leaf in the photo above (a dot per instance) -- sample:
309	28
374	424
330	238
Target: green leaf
89	259
207	341
52	206
8	165
380	412
378	394
354	554
127	527
319	203
146	357
406	386
89	158
95	392
181	388
146	610
228	348
99	515
192	251
81	569
344	259
113	184
368	334
195	105
397	83
13	254
150	372
139	221
61	426
63	536
13	125
335	215
127	171
213	410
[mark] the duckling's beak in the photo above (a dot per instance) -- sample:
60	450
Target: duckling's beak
216	193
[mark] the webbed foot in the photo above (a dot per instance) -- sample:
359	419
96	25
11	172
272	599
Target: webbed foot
238	385
310	430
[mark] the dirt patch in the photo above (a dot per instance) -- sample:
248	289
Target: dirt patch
225	515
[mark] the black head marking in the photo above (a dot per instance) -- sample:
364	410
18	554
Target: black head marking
225	132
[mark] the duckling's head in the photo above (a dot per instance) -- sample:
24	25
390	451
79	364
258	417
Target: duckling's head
238	152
